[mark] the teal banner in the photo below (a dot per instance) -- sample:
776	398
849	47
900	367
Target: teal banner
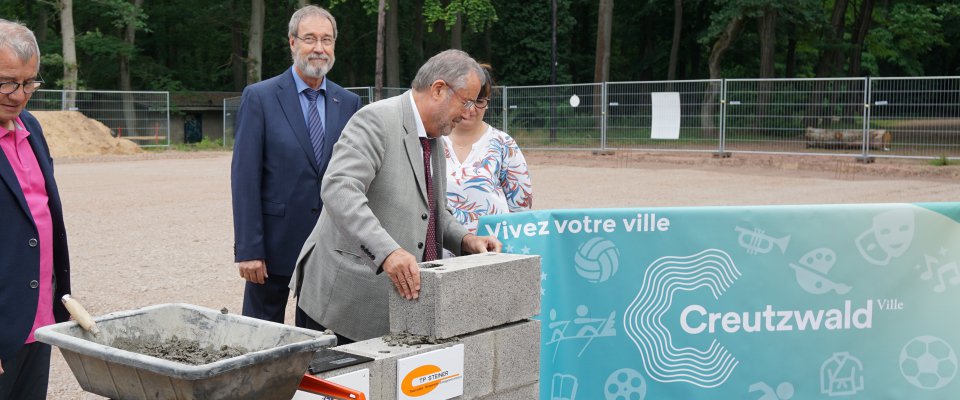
760	303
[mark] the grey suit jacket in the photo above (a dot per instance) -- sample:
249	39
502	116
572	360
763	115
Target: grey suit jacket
375	201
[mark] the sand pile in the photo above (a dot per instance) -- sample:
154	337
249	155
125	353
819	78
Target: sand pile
72	134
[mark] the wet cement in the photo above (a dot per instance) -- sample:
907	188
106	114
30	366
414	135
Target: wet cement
183	351
409	339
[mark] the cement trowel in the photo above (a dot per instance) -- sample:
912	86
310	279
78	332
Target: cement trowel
80	314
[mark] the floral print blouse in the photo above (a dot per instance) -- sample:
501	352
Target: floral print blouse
493	179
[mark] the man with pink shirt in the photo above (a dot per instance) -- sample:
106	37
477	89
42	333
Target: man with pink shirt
34	265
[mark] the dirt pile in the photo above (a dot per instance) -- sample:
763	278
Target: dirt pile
72	134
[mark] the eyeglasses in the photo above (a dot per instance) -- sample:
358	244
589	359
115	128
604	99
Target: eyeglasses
478	103
326	41
28	86
482	103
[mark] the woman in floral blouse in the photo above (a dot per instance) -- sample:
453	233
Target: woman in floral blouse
486	173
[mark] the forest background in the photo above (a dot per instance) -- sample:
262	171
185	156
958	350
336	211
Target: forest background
223	45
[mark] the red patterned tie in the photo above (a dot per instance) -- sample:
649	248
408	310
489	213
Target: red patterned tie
430	253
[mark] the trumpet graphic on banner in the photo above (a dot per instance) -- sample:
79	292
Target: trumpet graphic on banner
758	242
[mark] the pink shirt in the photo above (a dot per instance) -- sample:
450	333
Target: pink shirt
24	162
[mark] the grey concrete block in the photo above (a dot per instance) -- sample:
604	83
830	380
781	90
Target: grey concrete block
501	358
517	357
383	373
478	363
468	294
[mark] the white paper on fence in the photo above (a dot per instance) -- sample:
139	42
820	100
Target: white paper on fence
665	112
356	380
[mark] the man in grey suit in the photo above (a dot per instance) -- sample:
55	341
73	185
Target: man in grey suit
384	203
286	128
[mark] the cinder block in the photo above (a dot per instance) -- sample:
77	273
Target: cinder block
468	294
501	358
478	363
383	372
517	358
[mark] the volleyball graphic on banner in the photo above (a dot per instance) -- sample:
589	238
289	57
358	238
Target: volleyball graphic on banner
928	362
597	260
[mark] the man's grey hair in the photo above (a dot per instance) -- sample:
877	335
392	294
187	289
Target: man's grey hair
451	66
310	11
17	37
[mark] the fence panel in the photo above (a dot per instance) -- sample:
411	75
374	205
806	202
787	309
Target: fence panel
630	117
366	93
921	115
551	117
230	108
795	116
143	117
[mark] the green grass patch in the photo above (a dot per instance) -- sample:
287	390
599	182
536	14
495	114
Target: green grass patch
943	161
204	145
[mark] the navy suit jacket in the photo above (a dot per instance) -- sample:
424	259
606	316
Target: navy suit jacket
20	262
275	177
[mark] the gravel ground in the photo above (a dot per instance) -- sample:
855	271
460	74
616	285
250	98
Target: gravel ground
156	227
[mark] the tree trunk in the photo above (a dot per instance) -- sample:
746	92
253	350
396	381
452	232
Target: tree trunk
722	44
236	47
129	110
768	42
831	57
675	46
456	34
393	44
255	45
719	48
862	27
791	62
847	138
601	69
381	27
488	45
829	65
69	55
418	33
767	24
302	3
43	16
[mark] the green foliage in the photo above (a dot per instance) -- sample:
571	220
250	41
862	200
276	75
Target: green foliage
479	14
908	31
205	144
942	161
191	45
523	43
96	44
124	13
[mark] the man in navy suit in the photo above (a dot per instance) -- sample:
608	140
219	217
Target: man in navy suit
286	128
34	265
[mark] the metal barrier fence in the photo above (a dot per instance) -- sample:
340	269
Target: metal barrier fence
230	107
779	115
922	115
852	117
143	117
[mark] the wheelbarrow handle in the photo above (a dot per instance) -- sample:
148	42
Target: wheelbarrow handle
314	385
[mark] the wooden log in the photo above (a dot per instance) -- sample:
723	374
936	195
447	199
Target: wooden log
879	139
